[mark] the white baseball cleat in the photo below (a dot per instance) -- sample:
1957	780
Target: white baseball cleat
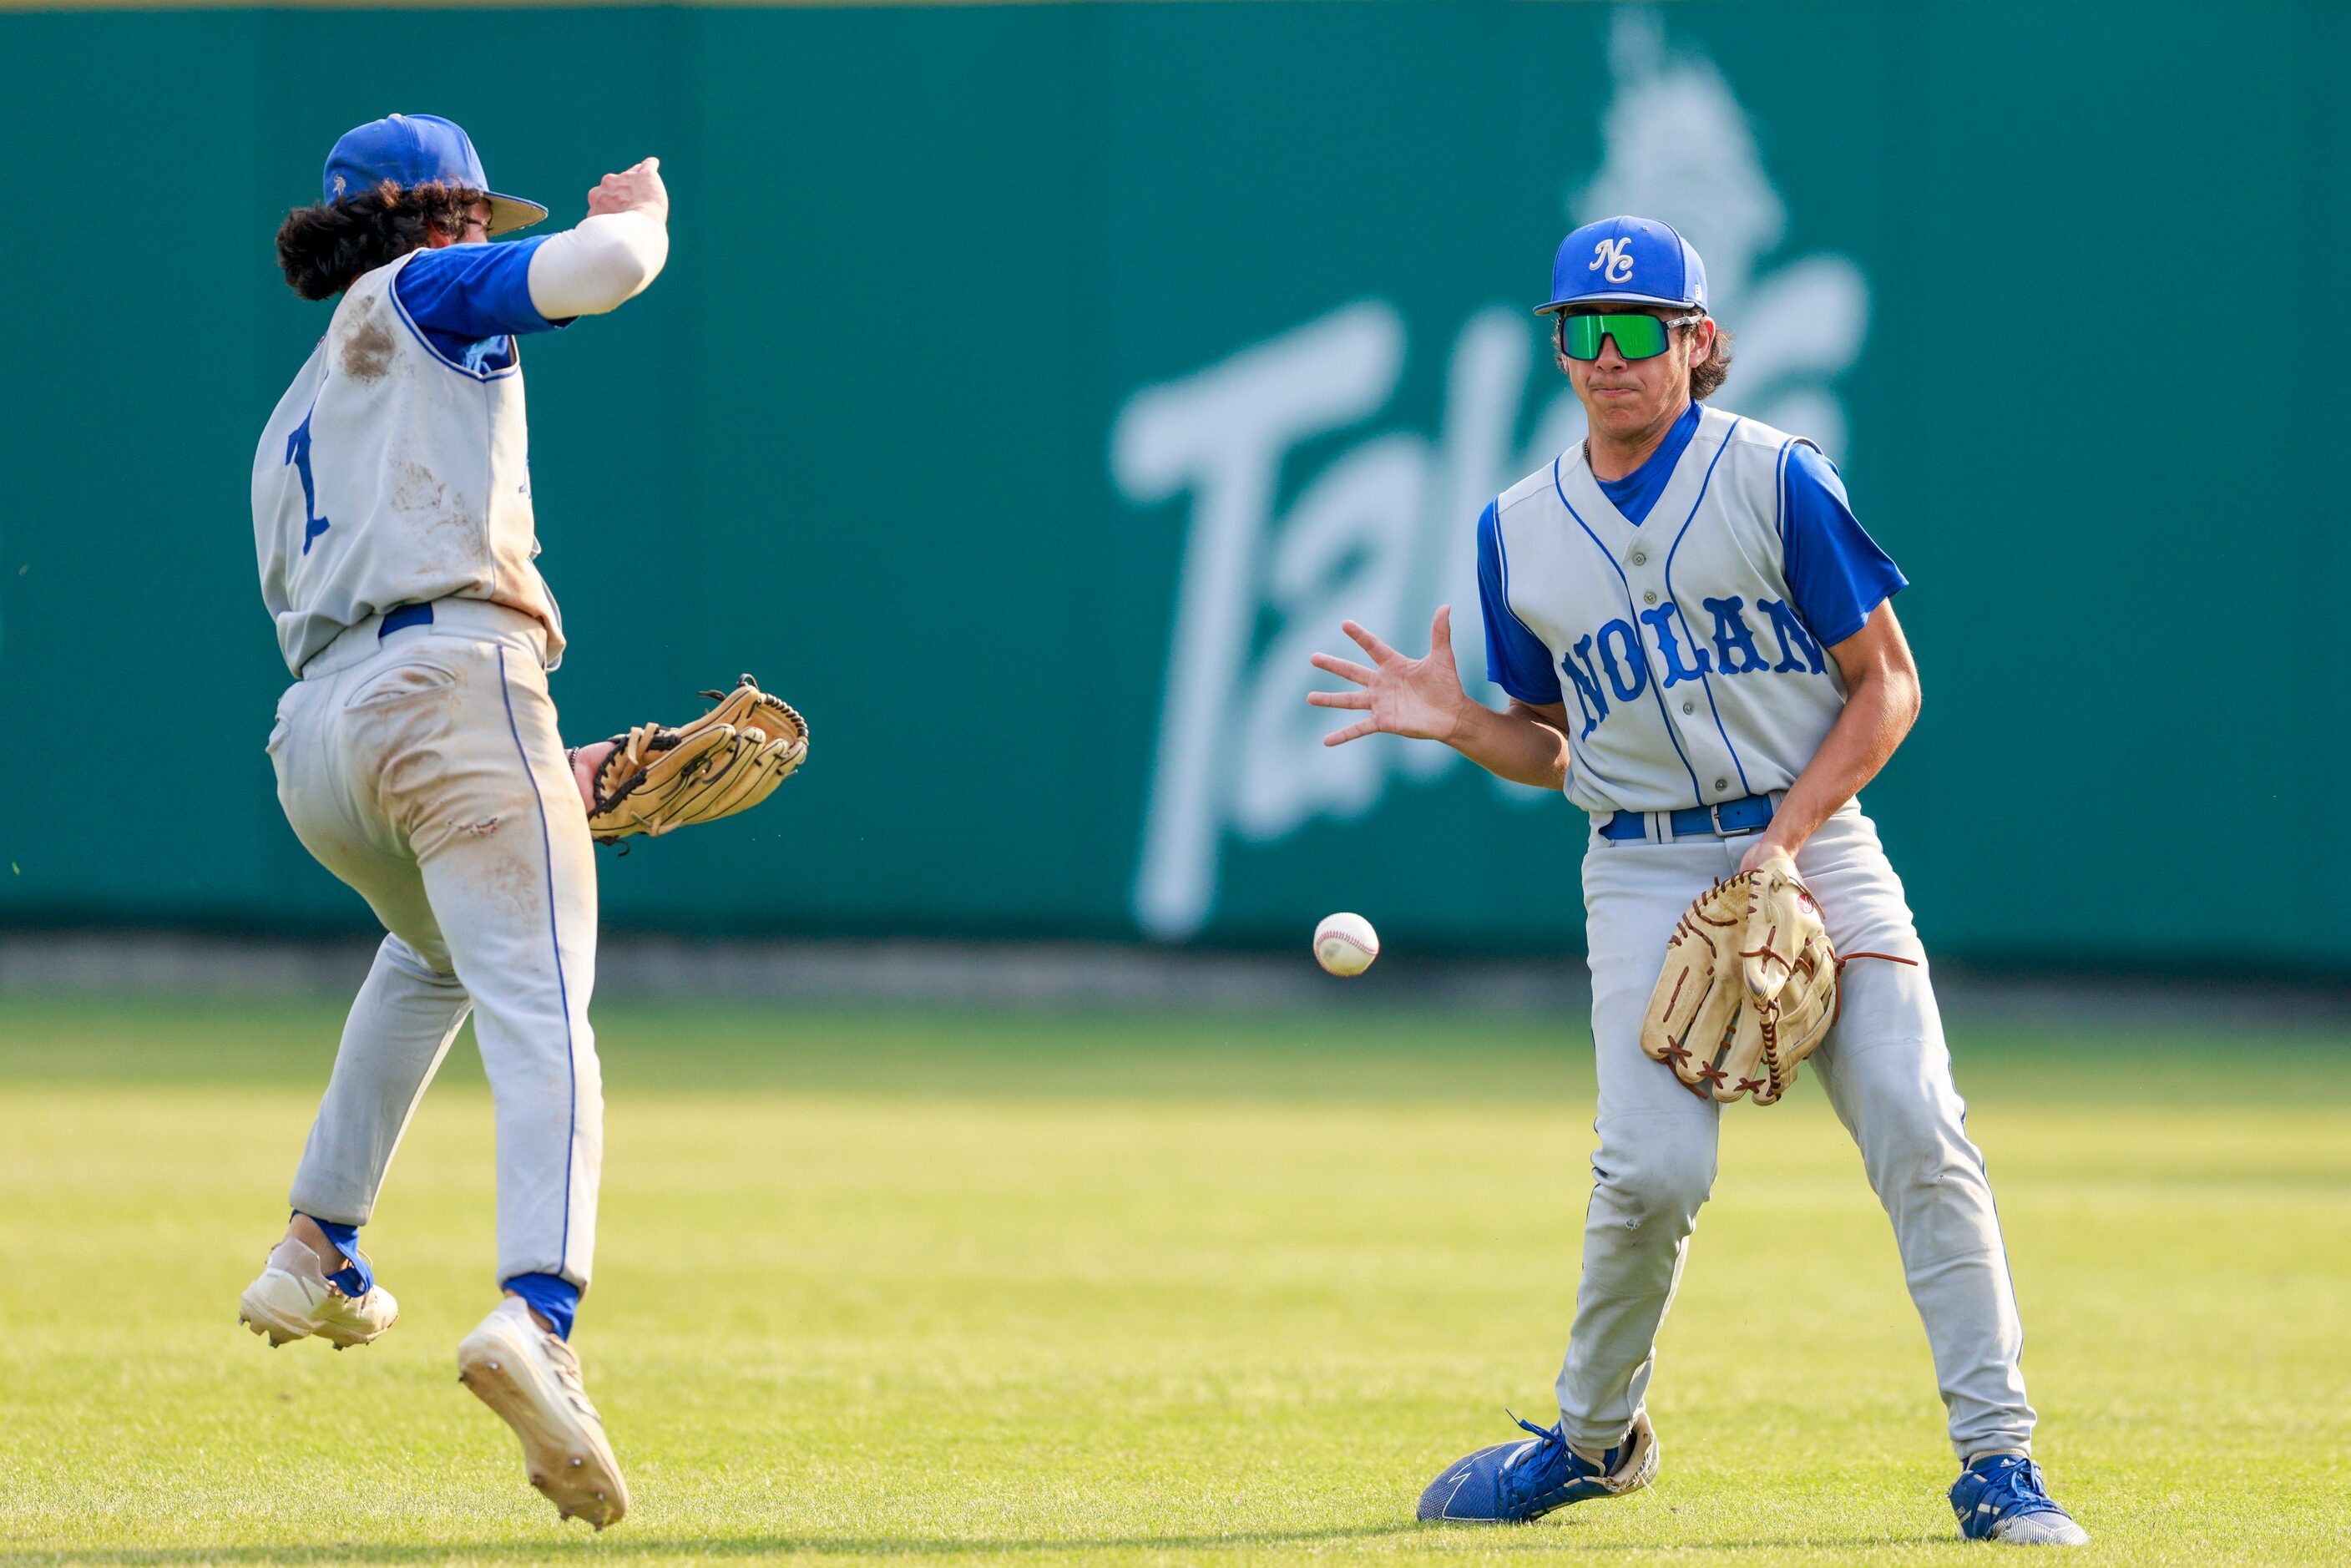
294	1300
531	1379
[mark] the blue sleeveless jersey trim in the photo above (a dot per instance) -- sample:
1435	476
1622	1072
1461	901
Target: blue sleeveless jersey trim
1516	659
1837	575
510	363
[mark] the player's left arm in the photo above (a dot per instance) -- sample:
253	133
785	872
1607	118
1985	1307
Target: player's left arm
1881	704
1841	585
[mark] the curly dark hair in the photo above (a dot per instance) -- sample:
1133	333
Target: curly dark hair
323	249
1706	379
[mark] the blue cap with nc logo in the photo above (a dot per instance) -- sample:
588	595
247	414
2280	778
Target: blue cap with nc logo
416	150
1634	261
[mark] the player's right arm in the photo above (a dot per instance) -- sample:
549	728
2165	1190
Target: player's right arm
1423	699
613	252
468	294
1525	743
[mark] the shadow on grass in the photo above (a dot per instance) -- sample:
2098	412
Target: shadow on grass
587	1548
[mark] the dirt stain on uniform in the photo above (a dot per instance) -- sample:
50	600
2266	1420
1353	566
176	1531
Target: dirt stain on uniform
367	352
446	537
417	488
513	880
449	545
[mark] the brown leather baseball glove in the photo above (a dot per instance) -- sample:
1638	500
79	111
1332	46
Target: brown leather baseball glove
728	760
1749	989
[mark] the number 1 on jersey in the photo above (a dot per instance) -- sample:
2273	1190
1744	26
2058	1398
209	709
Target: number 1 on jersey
298	453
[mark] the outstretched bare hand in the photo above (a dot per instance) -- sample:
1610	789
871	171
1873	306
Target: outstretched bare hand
637	188
1421	697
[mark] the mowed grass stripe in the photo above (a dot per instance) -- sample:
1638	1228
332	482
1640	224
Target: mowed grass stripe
1346	1052
1029	1288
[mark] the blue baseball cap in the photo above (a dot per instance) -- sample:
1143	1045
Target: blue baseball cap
416	150
1631	261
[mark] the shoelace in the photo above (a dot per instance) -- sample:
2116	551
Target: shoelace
2016	1487
1556	1432
1524	1473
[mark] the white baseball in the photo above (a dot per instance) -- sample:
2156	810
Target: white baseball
1345	944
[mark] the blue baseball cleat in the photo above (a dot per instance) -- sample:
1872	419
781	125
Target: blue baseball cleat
2001	1497
1512	1483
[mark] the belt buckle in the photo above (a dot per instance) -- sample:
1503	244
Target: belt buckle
1714	813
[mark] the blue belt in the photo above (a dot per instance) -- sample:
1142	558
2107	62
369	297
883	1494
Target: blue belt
1728	819
402	619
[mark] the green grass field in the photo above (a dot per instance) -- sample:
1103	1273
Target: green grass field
1043	1288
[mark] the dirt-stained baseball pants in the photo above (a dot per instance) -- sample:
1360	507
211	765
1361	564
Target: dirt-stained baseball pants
425	770
1888	1077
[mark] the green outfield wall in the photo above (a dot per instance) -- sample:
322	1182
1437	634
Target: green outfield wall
1032	387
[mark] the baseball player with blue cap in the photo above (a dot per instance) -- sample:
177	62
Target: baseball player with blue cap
1698	644
417	754
413	150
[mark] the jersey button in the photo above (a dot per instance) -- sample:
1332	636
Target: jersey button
1640	557
1722	783
1692	707
1650	596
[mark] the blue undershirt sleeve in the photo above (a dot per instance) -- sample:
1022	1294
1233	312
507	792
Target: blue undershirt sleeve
473	291
1837	573
1516	659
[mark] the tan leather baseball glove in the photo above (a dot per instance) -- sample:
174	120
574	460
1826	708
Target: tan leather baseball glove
728	760
1749	989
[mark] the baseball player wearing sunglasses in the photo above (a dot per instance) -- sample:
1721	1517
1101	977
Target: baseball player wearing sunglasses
1698	644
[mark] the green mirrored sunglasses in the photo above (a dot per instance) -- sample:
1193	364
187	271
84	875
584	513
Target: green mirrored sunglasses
1638	336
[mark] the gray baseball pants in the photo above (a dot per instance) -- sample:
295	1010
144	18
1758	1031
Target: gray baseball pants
1887	1075
425	771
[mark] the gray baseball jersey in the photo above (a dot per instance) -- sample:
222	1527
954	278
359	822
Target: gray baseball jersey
392	473
1690	674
